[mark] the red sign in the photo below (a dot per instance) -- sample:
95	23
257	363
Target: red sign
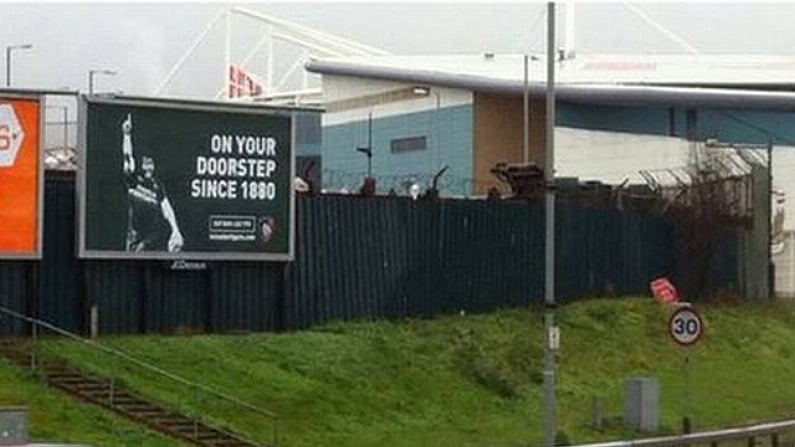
242	83
663	290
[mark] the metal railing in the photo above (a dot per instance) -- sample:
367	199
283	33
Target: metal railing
220	395
748	434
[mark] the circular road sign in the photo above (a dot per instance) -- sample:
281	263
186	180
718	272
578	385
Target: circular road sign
685	326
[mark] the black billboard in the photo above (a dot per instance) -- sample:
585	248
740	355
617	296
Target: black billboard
182	180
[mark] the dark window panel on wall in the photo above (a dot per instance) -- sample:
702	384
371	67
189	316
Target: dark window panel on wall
409	144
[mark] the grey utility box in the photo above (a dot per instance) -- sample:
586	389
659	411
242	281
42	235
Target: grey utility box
13	425
642	404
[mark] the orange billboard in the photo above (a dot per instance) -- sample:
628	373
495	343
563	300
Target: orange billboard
20	177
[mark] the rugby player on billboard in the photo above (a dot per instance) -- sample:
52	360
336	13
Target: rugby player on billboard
151	222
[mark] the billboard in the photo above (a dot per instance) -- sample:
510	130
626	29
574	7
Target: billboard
185	180
21	176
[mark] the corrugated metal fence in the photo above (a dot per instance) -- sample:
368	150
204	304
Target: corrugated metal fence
357	258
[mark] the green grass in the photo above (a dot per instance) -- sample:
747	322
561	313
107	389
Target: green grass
474	380
55	417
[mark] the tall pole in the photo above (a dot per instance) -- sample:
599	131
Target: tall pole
8	66
526	136
771	272
550	419
370	144
65	126
438	129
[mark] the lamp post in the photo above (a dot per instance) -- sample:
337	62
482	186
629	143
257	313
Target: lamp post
91	74
552	332
9	49
368	150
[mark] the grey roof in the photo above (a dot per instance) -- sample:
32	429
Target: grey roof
750	97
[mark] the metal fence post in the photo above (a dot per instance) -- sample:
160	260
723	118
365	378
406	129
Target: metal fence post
34	338
110	390
195	413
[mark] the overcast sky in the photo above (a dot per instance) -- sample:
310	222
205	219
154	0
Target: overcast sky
142	41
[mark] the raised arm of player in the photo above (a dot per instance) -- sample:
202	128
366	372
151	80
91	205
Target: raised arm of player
176	241
126	146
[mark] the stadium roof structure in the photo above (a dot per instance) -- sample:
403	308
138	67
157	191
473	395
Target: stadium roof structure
689	80
311	43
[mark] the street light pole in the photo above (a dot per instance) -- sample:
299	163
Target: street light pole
65	127
551	336
771	269
91	74
526	115
368	150
9	49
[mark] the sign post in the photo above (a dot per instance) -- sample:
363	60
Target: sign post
686	327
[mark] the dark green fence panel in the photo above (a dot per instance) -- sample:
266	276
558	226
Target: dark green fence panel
357	258
14	279
724	267
394	257
177	301
423	220
59	273
571	252
519	253
135	296
479	256
350	261
653	250
116	288
609	252
246	296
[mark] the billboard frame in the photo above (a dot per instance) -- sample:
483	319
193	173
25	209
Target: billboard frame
36	254
186	105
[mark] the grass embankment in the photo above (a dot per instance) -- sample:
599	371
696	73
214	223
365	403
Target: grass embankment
473	380
55	417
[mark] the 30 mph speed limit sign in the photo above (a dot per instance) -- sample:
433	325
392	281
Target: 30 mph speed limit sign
685	326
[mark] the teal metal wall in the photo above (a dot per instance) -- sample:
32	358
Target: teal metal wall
449	132
642	120
308	134
449	141
728	125
742	126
